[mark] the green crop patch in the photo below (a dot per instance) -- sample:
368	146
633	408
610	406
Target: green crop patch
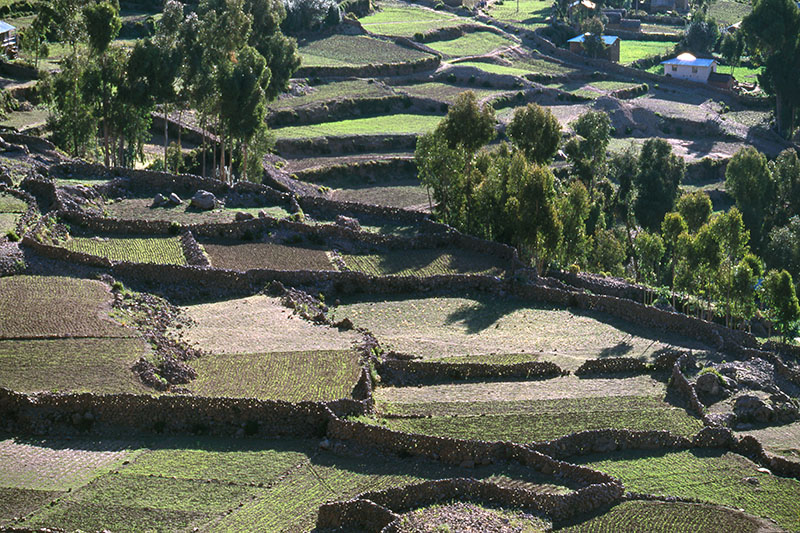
538	420
53	306
729	12
16	503
8	222
531	14
421	263
441	326
444	92
159	250
140	209
290	376
56	465
259	324
100	365
355	50
471	44
493	68
267	255
292	504
404	20
665	517
238	461
12	204
86	516
630	51
389	124
710	475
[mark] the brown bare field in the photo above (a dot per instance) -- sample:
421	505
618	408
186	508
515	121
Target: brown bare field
50	306
444	326
267	255
290	376
56	465
259	324
139	209
548	389
781	440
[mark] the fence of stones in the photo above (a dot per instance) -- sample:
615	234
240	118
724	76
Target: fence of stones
398	372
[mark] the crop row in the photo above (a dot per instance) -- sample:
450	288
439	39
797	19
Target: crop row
267	255
160	250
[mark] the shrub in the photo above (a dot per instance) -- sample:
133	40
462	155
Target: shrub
12	236
419	37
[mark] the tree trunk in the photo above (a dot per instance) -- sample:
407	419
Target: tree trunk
166	138
203	129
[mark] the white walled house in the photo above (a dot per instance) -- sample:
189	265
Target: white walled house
688	67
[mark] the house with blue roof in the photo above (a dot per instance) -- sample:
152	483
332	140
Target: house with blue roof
610	52
688	67
8	38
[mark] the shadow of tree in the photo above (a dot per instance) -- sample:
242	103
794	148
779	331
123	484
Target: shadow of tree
618	350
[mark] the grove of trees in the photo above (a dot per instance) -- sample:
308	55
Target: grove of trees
621	214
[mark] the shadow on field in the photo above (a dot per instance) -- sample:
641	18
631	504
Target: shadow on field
485	313
618	350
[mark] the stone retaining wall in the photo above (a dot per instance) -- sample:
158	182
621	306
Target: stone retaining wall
216	416
612	365
345	144
382	170
398	372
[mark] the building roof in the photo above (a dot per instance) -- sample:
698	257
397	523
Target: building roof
585	3
5	26
608	40
688	59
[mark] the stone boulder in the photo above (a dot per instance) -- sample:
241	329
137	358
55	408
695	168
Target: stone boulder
708	384
751	408
348	222
174	199
204	200
160	200
242	216
753	374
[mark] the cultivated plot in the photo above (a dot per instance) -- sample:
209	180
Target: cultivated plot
420	263
434	327
259	324
336	90
355	50
272	256
54	306
316	376
471	44
405	194
388	124
152	249
530	14
710	475
405	20
140	209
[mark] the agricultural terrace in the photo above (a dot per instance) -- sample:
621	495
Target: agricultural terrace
406	20
10	209
406	194
686	474
421	263
354	50
259	324
781	440
335	90
159	250
444	92
316	376
471	44
440	326
727	12
667	517
535	420
142	209
180	483
386	124
249	256
463	516
530	14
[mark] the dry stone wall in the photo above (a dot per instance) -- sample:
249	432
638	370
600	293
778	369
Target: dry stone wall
398	372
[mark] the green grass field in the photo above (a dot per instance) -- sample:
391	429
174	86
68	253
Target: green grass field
440	326
290	376
471	44
496	69
531	14
537	420
404	20
710	475
249	256
663	517
631	51
160	250
54	306
349	50
421	263
389	124
100	365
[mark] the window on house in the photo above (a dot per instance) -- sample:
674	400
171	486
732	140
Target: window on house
674	68
694	70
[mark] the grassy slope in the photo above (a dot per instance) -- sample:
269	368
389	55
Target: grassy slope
406	20
332	91
390	124
471	44
349	50
528	13
630	51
